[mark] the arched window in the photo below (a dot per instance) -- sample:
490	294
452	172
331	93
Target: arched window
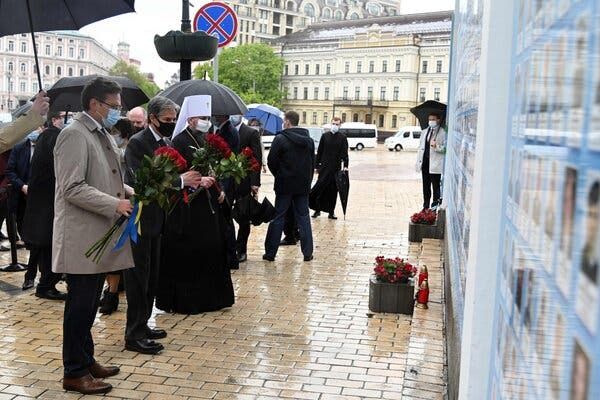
23	67
70	71
327	13
11	66
47	70
355	117
58	71
339	15
290	5
309	10
81	72
354	16
374	8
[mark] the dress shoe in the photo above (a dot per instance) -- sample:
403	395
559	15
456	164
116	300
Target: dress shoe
28	284
4	248
86	385
316	214
268	258
288	242
332	216
144	346
242	257
51	294
109	303
100	372
155	334
308	258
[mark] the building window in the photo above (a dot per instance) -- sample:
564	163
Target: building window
23	47
422	94
354	16
396	93
34	87
305	93
357	93
314	118
328	69
339	15
370	93
316	93
347	67
325	117
296	68
398	65
306	69
47	70
326	93
11	66
381	120
358	67
48	50
295	93
436	94
23	68
355	117
81	54
327	13
382	94
22	86
71	52
317	69
59	51
371	66
394	121
424	68
309	10
343	117
384	66
70	71
345	94
303	117
81	72
58	71
438	67
289	20
11	45
285	70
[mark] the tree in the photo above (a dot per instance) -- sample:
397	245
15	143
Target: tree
121	68
253	71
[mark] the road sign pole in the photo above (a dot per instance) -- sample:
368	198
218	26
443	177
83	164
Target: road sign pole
185	66
216	66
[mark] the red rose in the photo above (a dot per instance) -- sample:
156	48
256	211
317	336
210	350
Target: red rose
247	151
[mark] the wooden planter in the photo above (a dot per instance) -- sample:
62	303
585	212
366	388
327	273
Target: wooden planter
418	232
391	297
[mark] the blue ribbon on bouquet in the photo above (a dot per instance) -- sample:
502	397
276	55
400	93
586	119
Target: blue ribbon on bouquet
131	229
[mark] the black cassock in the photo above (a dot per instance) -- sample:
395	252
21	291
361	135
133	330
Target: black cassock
332	152
194	275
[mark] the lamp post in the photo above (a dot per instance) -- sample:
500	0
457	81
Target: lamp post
185	66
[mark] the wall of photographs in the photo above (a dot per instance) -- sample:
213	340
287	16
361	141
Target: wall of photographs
548	326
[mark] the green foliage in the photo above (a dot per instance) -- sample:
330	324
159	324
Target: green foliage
121	68
253	71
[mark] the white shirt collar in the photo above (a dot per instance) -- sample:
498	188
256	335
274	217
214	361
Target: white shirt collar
237	127
157	137
98	125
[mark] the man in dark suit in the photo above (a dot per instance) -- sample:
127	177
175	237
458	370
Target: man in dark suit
141	281
249	137
39	212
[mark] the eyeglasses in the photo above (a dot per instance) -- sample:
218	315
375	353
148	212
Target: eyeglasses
118	108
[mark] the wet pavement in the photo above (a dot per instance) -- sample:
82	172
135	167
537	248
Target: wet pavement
298	330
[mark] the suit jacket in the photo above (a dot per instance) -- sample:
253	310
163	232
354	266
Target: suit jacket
143	144
18	172
250	138
16	131
89	185
436	153
39	213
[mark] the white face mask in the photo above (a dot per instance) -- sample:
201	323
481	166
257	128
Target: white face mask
203	125
432	124
335	129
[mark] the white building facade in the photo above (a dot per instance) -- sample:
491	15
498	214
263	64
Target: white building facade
60	55
370	71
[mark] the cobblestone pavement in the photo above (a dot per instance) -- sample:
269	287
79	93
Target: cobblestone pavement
297	330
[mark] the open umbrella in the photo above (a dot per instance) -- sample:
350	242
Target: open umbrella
271	118
65	95
422	112
224	100
342	181
22	16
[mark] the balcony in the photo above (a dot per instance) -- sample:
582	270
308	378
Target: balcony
340	101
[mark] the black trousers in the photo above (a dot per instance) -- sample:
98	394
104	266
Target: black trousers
242	237
430	181
290	228
83	296
33	262
48	279
140	286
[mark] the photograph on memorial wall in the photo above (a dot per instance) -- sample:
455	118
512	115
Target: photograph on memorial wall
580	374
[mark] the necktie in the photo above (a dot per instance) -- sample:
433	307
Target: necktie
161	143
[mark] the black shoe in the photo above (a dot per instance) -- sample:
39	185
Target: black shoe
4	248
268	258
144	346
332	216
242	257
109	303
288	242
51	294
28	284
316	214
155	334
308	258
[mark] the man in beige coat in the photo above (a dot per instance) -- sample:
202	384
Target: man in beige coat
16	131
90	197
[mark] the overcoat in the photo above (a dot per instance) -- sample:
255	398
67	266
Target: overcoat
436	153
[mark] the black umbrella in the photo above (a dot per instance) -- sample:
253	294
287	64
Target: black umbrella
224	100
342	181
423	111
65	95
249	209
22	16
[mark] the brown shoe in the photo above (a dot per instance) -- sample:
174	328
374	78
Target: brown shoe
86	385
100	372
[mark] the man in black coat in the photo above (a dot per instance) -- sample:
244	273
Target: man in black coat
291	160
141	281
39	212
249	137
332	153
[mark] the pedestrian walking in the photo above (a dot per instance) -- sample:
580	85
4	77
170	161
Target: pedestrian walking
430	159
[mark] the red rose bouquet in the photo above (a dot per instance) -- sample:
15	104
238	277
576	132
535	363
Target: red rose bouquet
425	217
393	270
156	181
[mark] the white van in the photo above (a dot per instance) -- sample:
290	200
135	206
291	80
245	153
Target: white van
315	133
407	138
360	135
267	139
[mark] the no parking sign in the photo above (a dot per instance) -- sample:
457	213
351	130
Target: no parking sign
217	19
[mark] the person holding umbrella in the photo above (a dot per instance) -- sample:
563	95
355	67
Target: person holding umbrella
16	131
430	159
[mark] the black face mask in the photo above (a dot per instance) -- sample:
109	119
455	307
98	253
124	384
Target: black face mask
138	129
166	128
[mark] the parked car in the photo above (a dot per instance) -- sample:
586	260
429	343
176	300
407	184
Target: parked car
407	138
360	135
267	138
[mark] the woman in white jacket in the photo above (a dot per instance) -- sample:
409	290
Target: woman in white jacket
430	159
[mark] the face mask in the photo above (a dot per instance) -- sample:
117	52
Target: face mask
166	128
119	140
203	125
112	118
33	136
432	124
335	128
235	120
69	120
138	129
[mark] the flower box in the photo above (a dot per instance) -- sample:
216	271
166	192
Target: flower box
417	232
387	297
